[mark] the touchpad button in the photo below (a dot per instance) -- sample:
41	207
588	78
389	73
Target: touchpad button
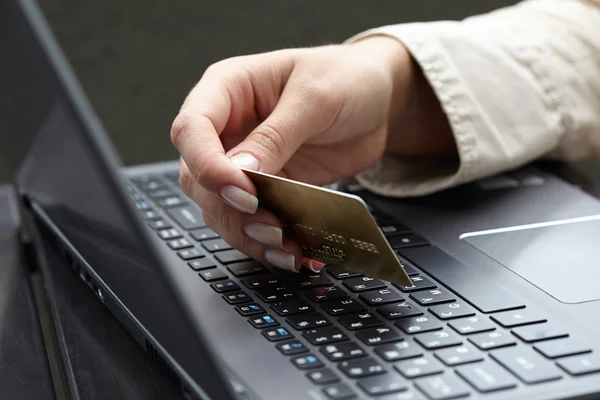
561	258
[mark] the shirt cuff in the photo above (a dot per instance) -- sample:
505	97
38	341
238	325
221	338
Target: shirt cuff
400	176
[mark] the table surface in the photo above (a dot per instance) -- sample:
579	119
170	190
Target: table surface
24	368
101	360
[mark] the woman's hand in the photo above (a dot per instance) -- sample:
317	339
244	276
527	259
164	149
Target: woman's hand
314	115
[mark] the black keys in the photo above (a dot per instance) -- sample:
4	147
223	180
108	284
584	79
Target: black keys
326	335
173	176
246	310
203	234
340	273
537	332
204	263
237	298
469	325
308	321
210	275
381	296
187	217
399	310
307	362
381	335
459	355
264	281
159	224
362	283
216	245
393	229
190	254
171	201
418	283
472	285
341	307
292	307
432	296
312	280
181	243
150	215
528	365
143	206
443	387
492	340
263	321
291	348
408	267
487	376
341	391
408	394
398	350
362	367
246	268
324	294
343	351
168	234
360	321
509	319
225	286
561	348
417	367
277	334
230	256
418	324
146	182
382	384
457	309
406	240
160	193
323	376
273	295
438	339
580	365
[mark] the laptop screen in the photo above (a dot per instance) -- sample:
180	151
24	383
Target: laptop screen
71	172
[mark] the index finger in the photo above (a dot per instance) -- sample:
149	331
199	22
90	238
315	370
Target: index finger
195	134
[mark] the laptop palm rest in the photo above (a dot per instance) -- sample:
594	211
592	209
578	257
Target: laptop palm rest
562	258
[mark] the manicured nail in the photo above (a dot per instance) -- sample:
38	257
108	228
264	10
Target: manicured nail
246	161
240	199
267	234
314	265
281	259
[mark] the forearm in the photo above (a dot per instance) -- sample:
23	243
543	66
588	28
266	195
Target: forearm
512	86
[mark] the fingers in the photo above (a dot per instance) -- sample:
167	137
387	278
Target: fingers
230	96
304	110
195	133
260	236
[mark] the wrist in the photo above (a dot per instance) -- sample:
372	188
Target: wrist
417	124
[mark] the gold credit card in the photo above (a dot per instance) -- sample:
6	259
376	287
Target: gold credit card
332	227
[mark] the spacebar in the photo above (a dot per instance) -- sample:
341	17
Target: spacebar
464	281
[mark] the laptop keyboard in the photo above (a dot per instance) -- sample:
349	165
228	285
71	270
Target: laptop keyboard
431	340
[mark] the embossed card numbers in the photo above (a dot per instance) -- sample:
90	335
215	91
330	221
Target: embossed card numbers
332	227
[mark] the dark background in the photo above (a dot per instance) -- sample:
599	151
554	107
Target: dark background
137	59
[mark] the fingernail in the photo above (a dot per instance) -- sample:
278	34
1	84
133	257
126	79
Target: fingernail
315	266
246	161
267	234
281	259
240	199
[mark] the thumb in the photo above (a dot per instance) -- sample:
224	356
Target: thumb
303	111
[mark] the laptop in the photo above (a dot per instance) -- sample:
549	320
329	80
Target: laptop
504	301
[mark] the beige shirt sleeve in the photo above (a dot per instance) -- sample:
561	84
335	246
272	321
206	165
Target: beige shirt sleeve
517	84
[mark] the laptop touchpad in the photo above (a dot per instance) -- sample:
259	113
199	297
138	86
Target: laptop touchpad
561	258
